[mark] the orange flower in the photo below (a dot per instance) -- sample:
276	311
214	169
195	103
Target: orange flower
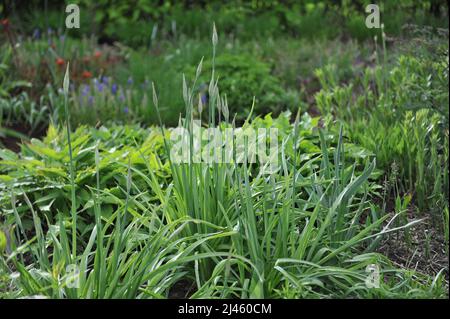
60	61
86	74
97	54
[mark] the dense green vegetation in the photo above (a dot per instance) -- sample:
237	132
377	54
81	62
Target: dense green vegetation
87	180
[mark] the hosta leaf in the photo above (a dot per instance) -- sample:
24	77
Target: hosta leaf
46	151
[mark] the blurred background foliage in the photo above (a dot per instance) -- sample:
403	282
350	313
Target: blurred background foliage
133	22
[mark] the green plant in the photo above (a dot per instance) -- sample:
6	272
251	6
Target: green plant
397	112
22	113
243	78
285	218
139	259
6	84
446	227
45	178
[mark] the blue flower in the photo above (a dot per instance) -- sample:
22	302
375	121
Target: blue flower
114	88
126	110
105	80
98	85
90	100
36	33
85	90
130	80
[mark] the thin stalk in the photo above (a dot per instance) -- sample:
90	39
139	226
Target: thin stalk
72	170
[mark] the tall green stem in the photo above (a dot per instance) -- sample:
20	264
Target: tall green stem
72	171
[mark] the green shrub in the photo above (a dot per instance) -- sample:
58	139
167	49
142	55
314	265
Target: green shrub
242	78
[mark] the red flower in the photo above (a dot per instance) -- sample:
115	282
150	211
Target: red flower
5	22
97	54
86	74
60	62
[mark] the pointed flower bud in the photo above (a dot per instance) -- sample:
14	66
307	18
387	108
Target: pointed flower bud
66	81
